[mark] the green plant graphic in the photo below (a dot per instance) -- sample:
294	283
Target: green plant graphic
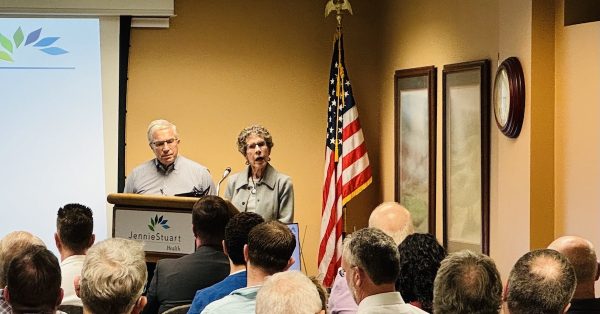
8	45
158	221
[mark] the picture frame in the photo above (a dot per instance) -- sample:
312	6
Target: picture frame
415	131
466	156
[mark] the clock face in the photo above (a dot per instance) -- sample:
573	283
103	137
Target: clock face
501	98
509	97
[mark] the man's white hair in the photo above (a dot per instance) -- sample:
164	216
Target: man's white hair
113	276
160	125
288	292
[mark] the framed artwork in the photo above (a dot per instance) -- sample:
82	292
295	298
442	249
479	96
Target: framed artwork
415	143
466	156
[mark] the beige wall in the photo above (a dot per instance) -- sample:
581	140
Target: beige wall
510	186
541	116
577	131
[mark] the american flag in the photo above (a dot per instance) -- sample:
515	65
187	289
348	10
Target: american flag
347	170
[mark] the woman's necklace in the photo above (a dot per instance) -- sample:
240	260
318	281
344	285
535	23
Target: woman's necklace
253	191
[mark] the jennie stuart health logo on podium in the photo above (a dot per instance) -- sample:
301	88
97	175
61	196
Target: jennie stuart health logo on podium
164	232
173	241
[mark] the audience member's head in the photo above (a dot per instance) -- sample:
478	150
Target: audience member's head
74	229
289	292
542	281
371	261
236	235
113	277
33	281
582	255
210	215
393	219
270	247
11	245
467	282
420	258
322	292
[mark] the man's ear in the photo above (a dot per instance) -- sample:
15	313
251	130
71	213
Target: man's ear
60	297
567	308
92	240
505	293
6	294
197	241
246	253
290	263
57	241
224	247
139	305
77	285
360	276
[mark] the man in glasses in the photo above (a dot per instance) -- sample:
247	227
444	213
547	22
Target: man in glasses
370	265
168	173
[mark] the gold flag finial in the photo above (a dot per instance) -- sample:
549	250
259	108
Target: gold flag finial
340	7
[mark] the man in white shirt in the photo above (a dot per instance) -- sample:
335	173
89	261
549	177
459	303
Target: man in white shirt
371	263
393	219
73	237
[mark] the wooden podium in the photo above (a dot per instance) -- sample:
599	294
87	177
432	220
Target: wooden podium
162	223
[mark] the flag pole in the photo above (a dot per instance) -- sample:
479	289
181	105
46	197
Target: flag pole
338	189
340	7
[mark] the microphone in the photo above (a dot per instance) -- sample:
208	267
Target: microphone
225	174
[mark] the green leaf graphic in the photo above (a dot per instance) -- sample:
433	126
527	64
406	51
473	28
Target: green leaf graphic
5	56
18	37
6	43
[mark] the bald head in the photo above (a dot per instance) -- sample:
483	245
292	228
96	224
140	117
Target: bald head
582	255
541	279
393	219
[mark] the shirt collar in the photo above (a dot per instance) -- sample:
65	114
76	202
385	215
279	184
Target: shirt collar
269	177
386	298
168	169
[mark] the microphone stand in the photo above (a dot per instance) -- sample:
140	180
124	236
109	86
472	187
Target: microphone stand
225	174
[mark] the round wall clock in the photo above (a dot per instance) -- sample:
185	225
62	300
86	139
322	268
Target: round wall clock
509	97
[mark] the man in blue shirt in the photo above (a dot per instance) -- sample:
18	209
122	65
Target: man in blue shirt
269	250
236	237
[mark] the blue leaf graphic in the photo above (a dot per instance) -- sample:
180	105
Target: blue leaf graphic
33	36
166	227
164	222
160	219
45	42
54	51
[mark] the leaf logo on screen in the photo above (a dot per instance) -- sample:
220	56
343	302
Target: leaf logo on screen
45	44
158	221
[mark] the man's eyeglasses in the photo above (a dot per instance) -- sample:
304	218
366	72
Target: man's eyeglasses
254	145
170	142
342	272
